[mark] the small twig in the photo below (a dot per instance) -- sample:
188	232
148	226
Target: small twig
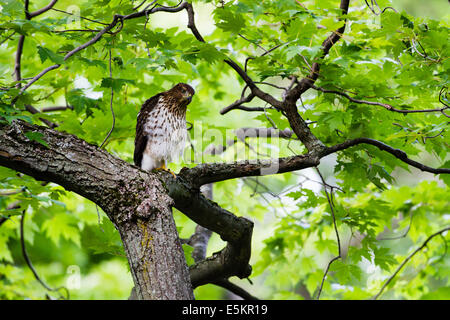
445	250
17	65
30	265
302	5
110	104
331	204
443	95
33	110
226	284
42	10
270	84
84	18
139	5
266	52
406	261
253	42
270	120
404	234
372	7
399	154
238	104
424	54
374	103
56	108
75	30
325	276
7	37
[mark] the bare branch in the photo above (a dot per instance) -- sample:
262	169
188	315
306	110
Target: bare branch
224	283
243	108
255	90
238	104
243	133
331	204
241	72
7	37
42	10
372	7
424	244
399	154
110	104
214	172
56	108
17	65
374	103
117	18
325	276
191	22
81	17
30	265
309	80
33	110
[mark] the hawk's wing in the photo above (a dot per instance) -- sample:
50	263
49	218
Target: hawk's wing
140	141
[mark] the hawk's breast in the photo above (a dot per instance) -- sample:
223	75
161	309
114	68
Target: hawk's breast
166	132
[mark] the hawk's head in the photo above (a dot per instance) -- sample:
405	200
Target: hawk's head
182	94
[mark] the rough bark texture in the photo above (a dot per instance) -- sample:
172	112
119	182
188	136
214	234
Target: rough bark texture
156	258
139	204
136	202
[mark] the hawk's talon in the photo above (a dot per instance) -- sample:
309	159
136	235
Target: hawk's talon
172	173
163	168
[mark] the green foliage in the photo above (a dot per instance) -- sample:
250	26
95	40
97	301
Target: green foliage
383	209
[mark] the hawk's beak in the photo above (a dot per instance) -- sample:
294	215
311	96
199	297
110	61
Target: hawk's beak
188	99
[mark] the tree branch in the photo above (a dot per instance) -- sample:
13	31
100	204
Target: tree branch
30	265
236	231
309	80
399	154
331	204
238	104
56	108
110	104
44	9
127	194
374	103
226	284
241	72
214	172
33	110
117	18
407	259
199	241
298	124
243	133
17	65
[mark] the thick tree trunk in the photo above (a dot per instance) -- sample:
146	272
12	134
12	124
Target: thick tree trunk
156	258
136	202
139	204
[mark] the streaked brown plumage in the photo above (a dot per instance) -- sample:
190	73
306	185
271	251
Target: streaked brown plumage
161	128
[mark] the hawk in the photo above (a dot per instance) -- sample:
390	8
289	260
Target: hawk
161	128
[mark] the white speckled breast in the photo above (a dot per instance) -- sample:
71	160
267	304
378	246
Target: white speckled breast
166	134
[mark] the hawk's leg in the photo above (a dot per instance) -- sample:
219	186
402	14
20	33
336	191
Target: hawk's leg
164	168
